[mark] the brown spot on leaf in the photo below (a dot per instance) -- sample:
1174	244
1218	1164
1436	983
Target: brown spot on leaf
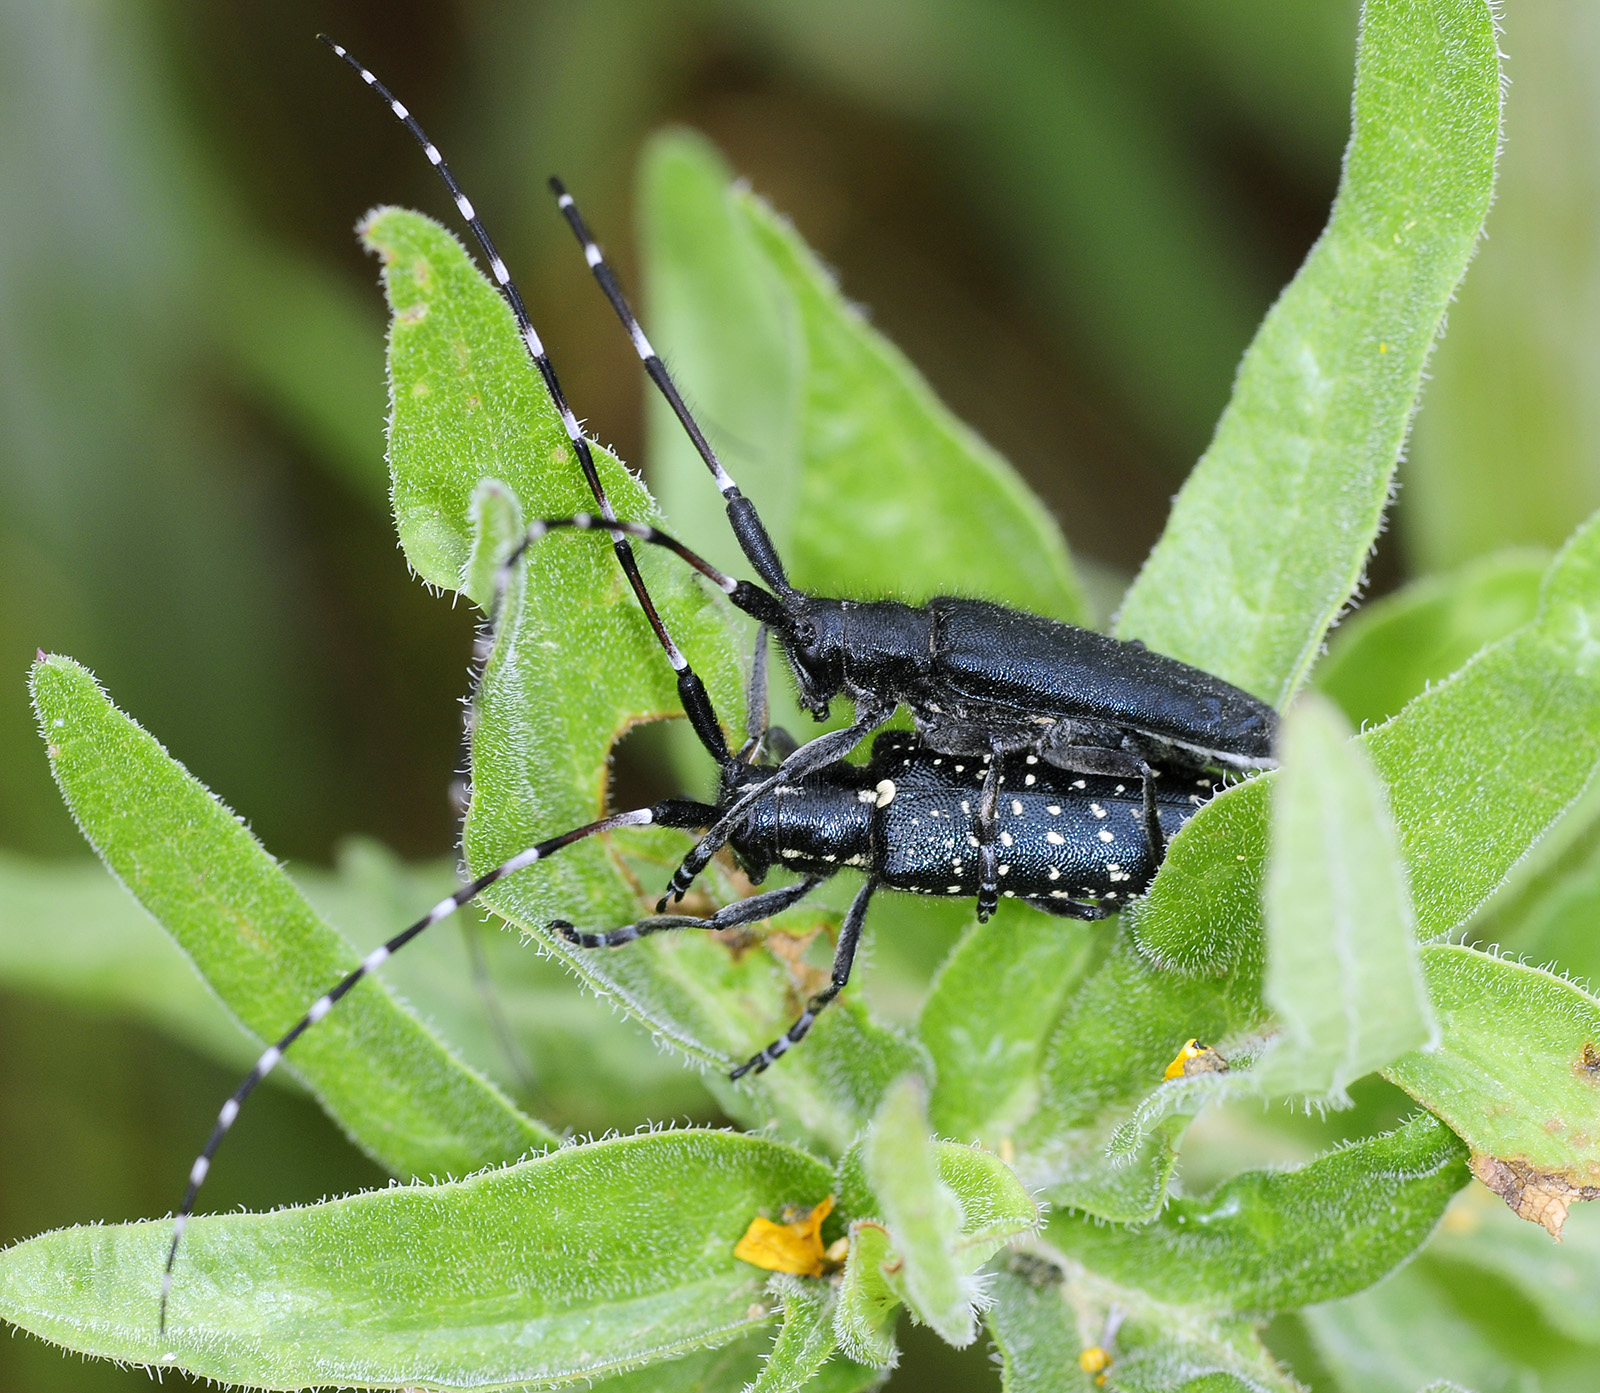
1589	1062
1540	1197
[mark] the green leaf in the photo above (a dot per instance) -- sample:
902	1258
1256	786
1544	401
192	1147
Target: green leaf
863	1321
1105	1057
383	1075
1478	769
1272	1240
721	1367
988	1014
923	1215
589	1260
806	1343
1516	1075
1342	974
69	932
1049	1313
870	485
1268	538
946	1209
1390	650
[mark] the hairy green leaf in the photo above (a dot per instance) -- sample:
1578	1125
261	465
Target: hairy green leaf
924	1217
1105	1057
1271	1240
1506	450
1391	650
1516	1074
69	932
871	485
512	1011
863	1320
1054	1322
938	1212
1546	913
589	1260
1268	538
1342	973
806	1343
989	1013
383	1075
1477	769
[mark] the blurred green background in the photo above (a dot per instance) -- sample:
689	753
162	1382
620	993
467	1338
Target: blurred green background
1071	215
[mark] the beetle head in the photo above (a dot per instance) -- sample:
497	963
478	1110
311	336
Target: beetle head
813	641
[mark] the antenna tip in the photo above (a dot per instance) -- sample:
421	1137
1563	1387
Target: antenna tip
557	187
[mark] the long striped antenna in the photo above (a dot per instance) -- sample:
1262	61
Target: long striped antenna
691	691
274	1053
746	523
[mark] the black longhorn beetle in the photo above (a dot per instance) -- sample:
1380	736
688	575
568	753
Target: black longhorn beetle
979	678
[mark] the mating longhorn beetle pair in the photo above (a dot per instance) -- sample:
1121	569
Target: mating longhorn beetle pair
979	678
1008	706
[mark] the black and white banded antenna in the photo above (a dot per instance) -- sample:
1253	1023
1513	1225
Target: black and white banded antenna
691	691
273	1055
747	526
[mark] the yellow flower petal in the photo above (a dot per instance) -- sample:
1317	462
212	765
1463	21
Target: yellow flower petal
794	1246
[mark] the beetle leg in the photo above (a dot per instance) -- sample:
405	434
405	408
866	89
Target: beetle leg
1153	833
988	830
844	956
746	911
